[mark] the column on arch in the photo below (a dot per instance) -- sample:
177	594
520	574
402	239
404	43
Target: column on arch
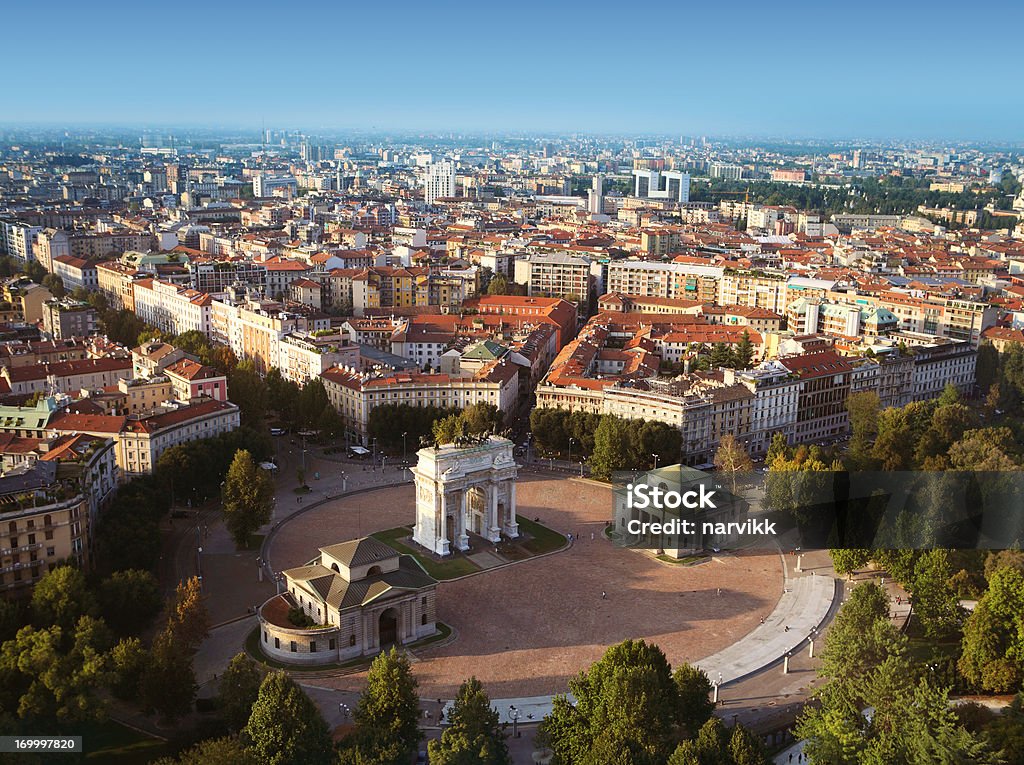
493	522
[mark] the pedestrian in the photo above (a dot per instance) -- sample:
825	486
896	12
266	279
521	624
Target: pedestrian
591	536
787	628
762	620
790	756
570	536
719	592
604	595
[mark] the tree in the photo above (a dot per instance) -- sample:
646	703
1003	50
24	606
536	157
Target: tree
387	716
193	342
61	597
53	681
847	561
239	689
986	449
935	603
498	285
986	368
628	695
695	704
129	600
911	722
312	400
743	354
55	285
745	748
864	409
188	621
285	727
215	751
731	457
991	649
247	498
249	392
128	662
482	418
473	734
861	637
447	429
168	684
612	445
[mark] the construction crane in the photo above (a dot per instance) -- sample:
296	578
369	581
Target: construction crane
746	194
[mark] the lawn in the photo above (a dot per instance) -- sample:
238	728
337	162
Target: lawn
111	742
542	540
448	569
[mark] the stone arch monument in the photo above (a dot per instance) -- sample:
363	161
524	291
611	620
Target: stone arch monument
462	490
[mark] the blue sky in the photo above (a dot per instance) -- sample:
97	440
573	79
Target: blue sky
899	69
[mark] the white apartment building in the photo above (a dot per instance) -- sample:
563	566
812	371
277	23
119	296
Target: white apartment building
172	308
144	438
665	280
438	181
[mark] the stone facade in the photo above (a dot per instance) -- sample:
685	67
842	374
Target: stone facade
463	490
361	597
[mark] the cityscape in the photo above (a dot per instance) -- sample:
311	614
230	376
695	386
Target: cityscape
562	409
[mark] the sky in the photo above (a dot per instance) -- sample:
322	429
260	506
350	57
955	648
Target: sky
901	69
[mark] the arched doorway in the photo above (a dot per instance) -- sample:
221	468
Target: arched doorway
388	626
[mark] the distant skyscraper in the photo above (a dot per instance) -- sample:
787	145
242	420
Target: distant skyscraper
662	184
856	159
439	181
595	199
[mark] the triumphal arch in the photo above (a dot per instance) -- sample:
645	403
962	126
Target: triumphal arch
465	488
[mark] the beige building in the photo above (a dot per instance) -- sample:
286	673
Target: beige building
362	596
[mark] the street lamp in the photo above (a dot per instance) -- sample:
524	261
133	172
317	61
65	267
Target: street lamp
405	452
655	460
571	440
513	714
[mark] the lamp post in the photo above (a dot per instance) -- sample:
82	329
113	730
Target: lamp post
655	460
570	449
513	714
405	452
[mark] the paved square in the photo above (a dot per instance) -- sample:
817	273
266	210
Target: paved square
525	629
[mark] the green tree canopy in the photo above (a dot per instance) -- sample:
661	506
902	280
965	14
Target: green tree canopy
473	735
285	727
247	498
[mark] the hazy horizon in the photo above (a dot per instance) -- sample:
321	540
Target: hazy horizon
870	72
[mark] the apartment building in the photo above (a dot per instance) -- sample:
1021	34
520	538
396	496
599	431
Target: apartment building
664	280
756	289
114	280
172	308
145	437
66	376
43	522
355	395
253	329
68	318
821	407
555	274
191	380
76	272
303	356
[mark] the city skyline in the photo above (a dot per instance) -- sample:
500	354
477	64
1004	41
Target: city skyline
808	72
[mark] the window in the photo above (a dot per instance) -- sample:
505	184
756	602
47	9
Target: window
331	644
277	642
264	636
352	640
423	619
295	647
